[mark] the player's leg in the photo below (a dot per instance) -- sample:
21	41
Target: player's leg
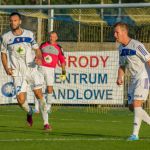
49	97
43	107
36	101
21	85
136	105
21	98
137	120
39	95
139	115
37	106
48	74
140	95
140	111
49	79
38	81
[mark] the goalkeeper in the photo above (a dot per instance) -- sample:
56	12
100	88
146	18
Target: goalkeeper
51	53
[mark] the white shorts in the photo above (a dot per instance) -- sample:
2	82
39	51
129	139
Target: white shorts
138	90
33	78
48	74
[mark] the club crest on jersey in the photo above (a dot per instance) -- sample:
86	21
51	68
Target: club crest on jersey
48	59
21	50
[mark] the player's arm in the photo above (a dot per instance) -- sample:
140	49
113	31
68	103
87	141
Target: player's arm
5	64
63	64
63	69
121	72
4	58
38	54
63	74
143	53
148	62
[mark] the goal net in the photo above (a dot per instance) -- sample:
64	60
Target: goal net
86	36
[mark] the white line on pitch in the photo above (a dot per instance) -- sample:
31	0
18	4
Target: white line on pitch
68	139
62	139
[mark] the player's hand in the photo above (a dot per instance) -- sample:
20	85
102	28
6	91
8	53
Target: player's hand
9	71
119	81
38	61
62	77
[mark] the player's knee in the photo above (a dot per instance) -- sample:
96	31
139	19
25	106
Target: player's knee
21	98
137	103
38	93
20	101
50	89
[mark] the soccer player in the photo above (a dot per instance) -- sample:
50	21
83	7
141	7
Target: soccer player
17	44
51	53
133	56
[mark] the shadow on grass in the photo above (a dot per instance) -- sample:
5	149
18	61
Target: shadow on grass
36	131
22	130
85	135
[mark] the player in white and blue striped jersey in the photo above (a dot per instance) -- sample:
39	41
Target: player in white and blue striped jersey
134	57
18	45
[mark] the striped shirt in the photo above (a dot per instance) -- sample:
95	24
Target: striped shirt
19	49
134	57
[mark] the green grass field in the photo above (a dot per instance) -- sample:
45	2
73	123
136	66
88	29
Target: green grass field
73	129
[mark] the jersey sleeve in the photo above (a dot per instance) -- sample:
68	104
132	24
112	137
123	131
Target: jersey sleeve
121	61
41	45
143	53
121	58
34	43
3	45
61	56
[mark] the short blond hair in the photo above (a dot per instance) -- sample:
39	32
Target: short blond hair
122	25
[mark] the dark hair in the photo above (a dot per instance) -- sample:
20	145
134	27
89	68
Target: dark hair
15	14
122	25
51	32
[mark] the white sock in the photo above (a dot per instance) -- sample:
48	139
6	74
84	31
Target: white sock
49	101
144	115
26	107
37	105
43	108
137	121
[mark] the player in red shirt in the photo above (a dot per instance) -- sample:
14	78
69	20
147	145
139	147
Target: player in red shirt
52	53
